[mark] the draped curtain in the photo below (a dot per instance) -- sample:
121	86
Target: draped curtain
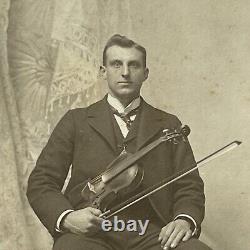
50	53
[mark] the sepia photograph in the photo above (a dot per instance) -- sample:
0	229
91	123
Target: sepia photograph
124	124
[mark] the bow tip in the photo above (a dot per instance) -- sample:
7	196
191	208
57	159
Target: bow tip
238	142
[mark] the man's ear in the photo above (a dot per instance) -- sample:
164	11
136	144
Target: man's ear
146	72
103	72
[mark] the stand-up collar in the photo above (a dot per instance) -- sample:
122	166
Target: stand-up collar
115	103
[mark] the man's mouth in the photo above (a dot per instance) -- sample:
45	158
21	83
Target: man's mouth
124	82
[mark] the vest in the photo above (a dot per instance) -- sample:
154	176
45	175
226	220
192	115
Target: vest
143	209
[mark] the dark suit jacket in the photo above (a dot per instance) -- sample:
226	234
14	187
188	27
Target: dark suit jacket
85	138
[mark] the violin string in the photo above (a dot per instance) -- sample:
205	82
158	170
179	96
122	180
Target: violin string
98	177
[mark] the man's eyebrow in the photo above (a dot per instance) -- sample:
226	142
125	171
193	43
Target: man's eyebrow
132	62
135	62
115	61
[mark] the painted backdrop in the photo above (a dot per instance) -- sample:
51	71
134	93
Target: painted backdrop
198	56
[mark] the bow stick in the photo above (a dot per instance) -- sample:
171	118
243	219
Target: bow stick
167	181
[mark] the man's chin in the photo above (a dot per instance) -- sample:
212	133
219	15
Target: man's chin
126	95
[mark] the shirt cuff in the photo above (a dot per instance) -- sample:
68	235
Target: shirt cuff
59	220
179	216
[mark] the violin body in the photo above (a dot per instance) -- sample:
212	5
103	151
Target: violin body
100	193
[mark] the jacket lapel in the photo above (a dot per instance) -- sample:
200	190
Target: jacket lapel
99	119
150	124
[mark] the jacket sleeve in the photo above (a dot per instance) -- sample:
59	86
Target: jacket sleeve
47	178
188	192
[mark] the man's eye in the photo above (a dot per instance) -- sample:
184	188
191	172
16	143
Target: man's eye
116	64
134	65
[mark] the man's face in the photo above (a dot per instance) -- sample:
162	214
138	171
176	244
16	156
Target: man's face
125	72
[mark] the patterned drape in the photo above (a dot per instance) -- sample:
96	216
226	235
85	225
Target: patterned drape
49	57
11	154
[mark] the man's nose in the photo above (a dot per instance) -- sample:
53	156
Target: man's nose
125	71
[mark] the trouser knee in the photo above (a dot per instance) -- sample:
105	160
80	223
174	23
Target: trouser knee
193	244
79	242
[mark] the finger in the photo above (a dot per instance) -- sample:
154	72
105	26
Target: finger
169	234
96	221
169	227
170	239
161	234
95	211
187	235
177	239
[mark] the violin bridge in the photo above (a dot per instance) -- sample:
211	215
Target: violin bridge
91	188
124	149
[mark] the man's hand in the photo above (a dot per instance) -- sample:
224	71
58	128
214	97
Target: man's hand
175	231
83	221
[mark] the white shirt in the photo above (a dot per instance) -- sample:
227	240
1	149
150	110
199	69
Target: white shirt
115	103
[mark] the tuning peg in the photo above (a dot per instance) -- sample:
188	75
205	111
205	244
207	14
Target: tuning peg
185	130
166	130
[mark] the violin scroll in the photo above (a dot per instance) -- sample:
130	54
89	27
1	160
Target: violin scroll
185	130
175	135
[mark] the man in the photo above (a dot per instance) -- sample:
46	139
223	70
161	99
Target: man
90	139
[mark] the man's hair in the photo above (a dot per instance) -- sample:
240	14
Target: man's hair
124	42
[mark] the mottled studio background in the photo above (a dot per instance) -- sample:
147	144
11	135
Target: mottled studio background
199	61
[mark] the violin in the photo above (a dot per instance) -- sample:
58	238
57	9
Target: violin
123	175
